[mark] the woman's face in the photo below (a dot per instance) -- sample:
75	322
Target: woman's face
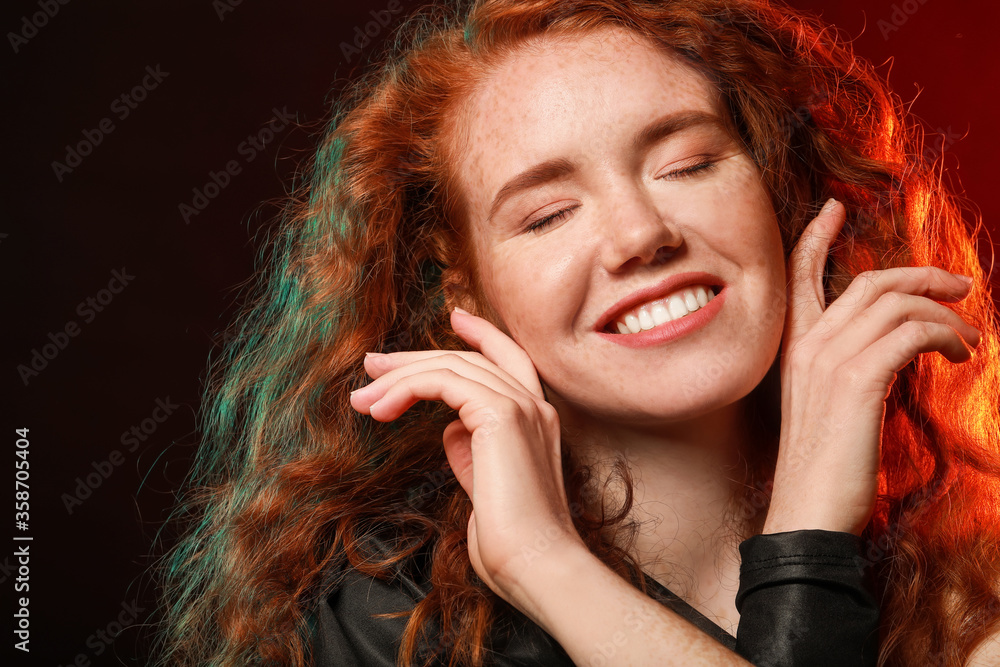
605	198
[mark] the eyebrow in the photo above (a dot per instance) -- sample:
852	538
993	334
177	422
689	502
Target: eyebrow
551	170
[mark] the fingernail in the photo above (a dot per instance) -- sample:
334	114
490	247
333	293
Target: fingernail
828	205
374	354
966	279
460	310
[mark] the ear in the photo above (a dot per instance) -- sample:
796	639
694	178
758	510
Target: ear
453	253
463	291
458	292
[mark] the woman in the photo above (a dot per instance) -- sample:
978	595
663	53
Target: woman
588	241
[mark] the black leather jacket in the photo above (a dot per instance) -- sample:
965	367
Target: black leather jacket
803	600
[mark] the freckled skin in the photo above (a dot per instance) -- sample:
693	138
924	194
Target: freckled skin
584	99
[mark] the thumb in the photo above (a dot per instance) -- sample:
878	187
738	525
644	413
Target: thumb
806	265
458	450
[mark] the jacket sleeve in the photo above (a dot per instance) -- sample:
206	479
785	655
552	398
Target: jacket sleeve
804	600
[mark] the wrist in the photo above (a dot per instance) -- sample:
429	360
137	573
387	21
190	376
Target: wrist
792	519
599	618
798	503
544	572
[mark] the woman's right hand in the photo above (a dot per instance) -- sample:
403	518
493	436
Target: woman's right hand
837	366
504	448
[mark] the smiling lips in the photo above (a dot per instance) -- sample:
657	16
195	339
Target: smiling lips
657	314
663	310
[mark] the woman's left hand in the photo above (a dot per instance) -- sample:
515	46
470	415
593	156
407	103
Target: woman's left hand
837	366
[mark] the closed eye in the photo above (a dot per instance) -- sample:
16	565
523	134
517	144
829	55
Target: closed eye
689	171
549	219
676	174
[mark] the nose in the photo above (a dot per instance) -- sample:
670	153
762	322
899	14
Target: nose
637	232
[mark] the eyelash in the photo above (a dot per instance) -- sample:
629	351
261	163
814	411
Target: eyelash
679	173
687	171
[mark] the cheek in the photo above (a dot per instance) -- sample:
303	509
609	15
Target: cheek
749	231
533	289
509	297
750	239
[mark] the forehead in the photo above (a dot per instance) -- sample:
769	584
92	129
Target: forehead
577	97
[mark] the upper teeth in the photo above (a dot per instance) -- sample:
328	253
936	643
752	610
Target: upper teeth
673	307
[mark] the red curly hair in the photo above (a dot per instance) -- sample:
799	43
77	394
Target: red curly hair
372	256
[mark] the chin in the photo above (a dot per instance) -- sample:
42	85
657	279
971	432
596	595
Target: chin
660	405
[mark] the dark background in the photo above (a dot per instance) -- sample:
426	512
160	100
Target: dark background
226	74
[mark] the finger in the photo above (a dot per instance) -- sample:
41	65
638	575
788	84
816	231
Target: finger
377	365
922	281
899	347
477	404
806	265
486	374
498	347
458	449
889	312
